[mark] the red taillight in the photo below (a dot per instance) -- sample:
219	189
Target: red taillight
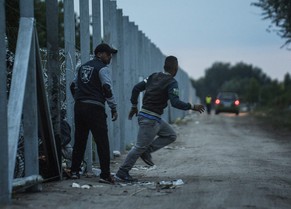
217	101
236	102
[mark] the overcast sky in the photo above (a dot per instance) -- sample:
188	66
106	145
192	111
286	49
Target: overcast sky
201	32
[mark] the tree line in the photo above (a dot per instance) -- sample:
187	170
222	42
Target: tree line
279	12
252	85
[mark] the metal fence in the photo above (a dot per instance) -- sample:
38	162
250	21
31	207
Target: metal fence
136	59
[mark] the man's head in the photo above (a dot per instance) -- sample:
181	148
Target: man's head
104	52
171	65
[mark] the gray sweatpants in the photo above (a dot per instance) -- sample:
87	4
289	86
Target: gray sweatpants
152	136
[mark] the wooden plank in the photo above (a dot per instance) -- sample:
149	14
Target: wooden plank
45	124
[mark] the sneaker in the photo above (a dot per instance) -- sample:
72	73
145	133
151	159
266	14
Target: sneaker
108	180
124	177
147	158
75	175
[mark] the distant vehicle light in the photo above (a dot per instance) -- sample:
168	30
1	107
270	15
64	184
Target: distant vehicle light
236	102
227	101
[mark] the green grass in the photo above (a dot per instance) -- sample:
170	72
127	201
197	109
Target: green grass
279	119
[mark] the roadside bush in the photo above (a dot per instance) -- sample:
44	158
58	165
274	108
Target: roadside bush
277	118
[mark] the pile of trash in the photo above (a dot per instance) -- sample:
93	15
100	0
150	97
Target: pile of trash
161	185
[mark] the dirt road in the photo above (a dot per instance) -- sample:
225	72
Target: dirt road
221	161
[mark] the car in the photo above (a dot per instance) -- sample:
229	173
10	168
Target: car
227	102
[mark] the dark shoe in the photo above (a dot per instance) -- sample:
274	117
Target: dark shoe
147	158
75	175
108	180
124	177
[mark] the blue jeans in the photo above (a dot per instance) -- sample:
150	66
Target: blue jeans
152	136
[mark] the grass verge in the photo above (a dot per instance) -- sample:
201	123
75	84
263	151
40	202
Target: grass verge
277	119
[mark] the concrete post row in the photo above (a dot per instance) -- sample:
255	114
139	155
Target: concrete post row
137	58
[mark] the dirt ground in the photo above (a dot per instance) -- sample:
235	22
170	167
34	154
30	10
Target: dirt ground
218	161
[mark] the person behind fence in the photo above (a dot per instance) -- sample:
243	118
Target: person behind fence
208	101
91	88
154	132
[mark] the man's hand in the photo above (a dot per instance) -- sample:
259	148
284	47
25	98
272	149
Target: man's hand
199	108
133	111
114	115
